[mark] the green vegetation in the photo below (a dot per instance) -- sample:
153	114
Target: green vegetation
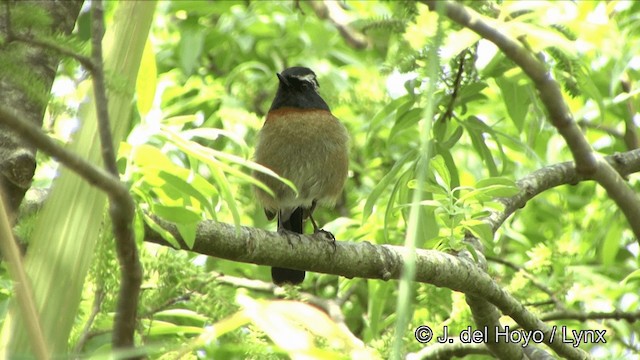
418	93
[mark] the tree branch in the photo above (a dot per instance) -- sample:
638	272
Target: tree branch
27	98
446	115
587	163
121	205
350	260
35	136
549	177
552	296
631	317
332	11
486	316
449	351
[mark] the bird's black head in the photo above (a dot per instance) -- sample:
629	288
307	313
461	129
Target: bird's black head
298	88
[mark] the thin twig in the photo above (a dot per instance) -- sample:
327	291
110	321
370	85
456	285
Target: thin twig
99	88
121	205
98	298
603	128
531	278
83	60
631	317
12	36
331	10
36	137
22	286
456	87
167	304
631	130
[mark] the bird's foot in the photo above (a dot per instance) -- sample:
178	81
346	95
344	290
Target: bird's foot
288	233
326	236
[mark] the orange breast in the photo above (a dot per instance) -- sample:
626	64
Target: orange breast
288	113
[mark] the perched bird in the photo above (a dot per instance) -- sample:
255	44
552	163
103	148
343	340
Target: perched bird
301	141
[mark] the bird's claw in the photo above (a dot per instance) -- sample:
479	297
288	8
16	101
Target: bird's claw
287	234
327	236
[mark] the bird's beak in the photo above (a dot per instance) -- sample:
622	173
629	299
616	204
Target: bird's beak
282	79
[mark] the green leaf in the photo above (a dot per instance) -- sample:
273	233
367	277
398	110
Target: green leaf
479	127
430	187
516	97
190	47
188	233
498	65
452	140
539	38
633	277
379	291
472	92
195	188
160	230
158	327
440	168
489	192
404	121
382	115
186	314
451	164
213	158
150	156
147	80
384	183
176	214
611	245
499	180
584	77
477	140
456	42
399	194
480	229
180	120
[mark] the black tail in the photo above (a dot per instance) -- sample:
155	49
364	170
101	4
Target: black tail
281	275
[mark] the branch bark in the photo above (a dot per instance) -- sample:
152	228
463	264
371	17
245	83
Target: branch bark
121	205
332	11
28	101
350	260
549	177
34	136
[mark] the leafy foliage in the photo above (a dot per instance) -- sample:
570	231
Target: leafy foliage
208	81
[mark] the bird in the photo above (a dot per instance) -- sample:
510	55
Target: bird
300	140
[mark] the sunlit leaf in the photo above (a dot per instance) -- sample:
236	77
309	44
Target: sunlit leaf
516	95
147	80
383	184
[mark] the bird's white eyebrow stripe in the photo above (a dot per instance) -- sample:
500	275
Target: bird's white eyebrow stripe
307	77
